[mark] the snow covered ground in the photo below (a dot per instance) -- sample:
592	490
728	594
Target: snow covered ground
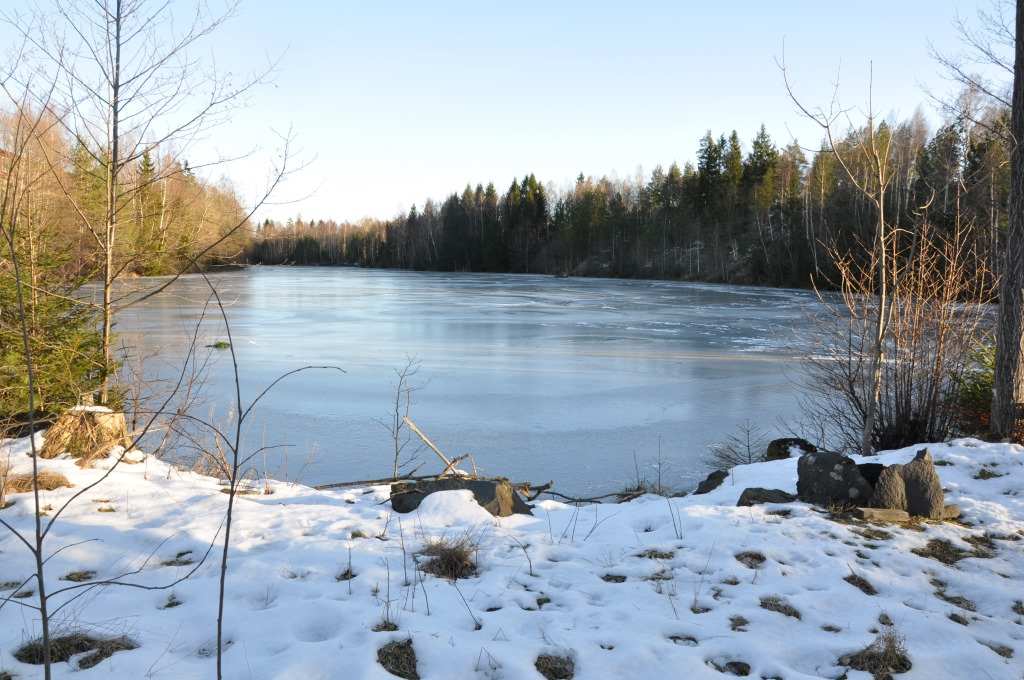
621	589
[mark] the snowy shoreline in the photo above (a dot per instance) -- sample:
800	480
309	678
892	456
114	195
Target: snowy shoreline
622	590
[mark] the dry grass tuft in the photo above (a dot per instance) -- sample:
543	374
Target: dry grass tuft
385	627
738	668
872	533
1000	649
182	559
738	623
655	554
613	578
555	667
751	559
399	658
450	558
942	550
956	600
886	655
858	581
79	576
774	603
85	435
987	473
64	647
958	618
22	483
984	546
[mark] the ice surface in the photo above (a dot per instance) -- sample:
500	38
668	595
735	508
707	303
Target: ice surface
540	378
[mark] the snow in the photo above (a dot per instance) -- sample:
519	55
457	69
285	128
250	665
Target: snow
539	588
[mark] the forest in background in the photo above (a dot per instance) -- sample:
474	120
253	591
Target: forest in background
761	213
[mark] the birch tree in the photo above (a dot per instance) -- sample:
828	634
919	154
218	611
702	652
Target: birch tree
873	185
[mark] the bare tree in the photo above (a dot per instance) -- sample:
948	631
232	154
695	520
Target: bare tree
876	148
985	68
396	426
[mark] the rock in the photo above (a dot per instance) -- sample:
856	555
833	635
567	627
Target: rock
495	495
882	515
779	449
756	495
712	481
923	488
890	490
829	478
951	512
870	472
85	432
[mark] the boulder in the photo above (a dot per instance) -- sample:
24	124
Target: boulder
923	487
495	495
85	433
829	478
870	472
712	481
755	495
779	449
890	490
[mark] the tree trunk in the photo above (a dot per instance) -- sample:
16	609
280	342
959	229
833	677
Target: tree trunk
1008	383
111	227
878	344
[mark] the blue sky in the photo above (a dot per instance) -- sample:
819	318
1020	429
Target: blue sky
398	101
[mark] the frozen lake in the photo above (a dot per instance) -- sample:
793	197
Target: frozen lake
539	378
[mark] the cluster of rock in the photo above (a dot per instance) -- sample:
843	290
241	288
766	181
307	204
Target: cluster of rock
893	493
874	491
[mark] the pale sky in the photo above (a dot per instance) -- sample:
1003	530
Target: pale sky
398	101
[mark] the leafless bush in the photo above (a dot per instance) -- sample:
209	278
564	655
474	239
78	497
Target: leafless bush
938	293
396	423
744	446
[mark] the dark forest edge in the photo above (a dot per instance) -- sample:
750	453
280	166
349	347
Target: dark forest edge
767	216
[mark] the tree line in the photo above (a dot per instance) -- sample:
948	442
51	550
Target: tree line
762	213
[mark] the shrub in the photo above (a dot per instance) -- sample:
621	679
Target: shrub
975	391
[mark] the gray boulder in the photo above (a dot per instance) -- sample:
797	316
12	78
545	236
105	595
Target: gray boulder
755	495
496	496
829	478
780	449
890	490
870	472
923	487
712	481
